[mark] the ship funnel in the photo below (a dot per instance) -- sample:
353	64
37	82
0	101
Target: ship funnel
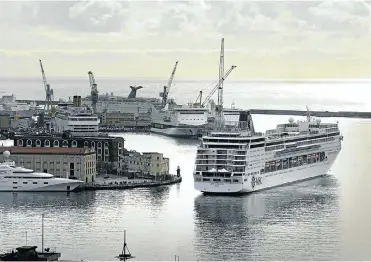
77	101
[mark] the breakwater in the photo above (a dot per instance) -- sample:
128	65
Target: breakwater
122	186
349	114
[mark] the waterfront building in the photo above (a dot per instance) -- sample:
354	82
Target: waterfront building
108	149
78	163
149	163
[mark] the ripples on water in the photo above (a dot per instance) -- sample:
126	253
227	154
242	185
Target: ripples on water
322	219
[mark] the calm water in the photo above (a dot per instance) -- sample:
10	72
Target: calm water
323	219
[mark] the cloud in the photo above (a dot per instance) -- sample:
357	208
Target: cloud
277	32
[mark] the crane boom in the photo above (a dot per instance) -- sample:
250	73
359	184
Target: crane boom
93	91
43	75
167	88
218	85
48	91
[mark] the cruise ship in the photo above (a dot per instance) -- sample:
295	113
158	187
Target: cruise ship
180	121
238	160
78	120
15	179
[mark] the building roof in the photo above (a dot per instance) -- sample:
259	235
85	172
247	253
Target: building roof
51	137
47	150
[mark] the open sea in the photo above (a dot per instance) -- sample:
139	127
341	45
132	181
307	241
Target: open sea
327	218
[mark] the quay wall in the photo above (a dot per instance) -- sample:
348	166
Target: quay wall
90	186
350	114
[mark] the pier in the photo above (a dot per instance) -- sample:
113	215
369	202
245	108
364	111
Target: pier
347	114
122	186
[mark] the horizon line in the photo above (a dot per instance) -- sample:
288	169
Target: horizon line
268	79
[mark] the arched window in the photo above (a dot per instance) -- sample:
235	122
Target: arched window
106	144
20	142
29	142
46	143
65	143
86	144
74	143
38	143
99	144
56	143
93	144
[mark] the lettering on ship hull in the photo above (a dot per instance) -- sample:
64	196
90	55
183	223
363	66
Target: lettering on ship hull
256	181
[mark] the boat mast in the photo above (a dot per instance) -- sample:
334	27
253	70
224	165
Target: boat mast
42	233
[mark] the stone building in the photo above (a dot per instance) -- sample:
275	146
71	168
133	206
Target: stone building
148	163
79	163
108	149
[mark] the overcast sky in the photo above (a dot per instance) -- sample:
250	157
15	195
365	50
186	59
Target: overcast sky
277	39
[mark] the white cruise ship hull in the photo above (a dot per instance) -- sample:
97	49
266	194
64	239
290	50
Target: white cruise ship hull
269	180
54	185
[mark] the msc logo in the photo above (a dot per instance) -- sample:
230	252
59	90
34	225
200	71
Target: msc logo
256	181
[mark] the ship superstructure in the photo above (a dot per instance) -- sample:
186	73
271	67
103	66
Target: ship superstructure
78	120
13	178
238	160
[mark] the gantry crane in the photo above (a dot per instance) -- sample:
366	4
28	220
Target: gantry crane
166	91
93	91
48	91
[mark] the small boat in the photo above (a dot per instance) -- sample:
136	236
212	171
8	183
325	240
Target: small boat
125	254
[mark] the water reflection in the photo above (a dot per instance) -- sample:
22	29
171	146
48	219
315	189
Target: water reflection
271	224
46	200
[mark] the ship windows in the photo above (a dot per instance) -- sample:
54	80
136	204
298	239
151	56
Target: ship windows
56	143
93	144
29	143
20	142
65	143
38	143
45	183
46	143
295	161
74	143
86	144
206	179
235	180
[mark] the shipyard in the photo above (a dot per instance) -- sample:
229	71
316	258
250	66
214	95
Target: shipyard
185	131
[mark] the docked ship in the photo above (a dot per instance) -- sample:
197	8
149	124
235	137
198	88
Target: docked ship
239	160
16	179
76	119
181	121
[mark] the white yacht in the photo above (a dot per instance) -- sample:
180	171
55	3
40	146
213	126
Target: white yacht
238	160
16	179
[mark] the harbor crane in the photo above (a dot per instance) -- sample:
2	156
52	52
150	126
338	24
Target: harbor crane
166	91
217	85
48	91
93	91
